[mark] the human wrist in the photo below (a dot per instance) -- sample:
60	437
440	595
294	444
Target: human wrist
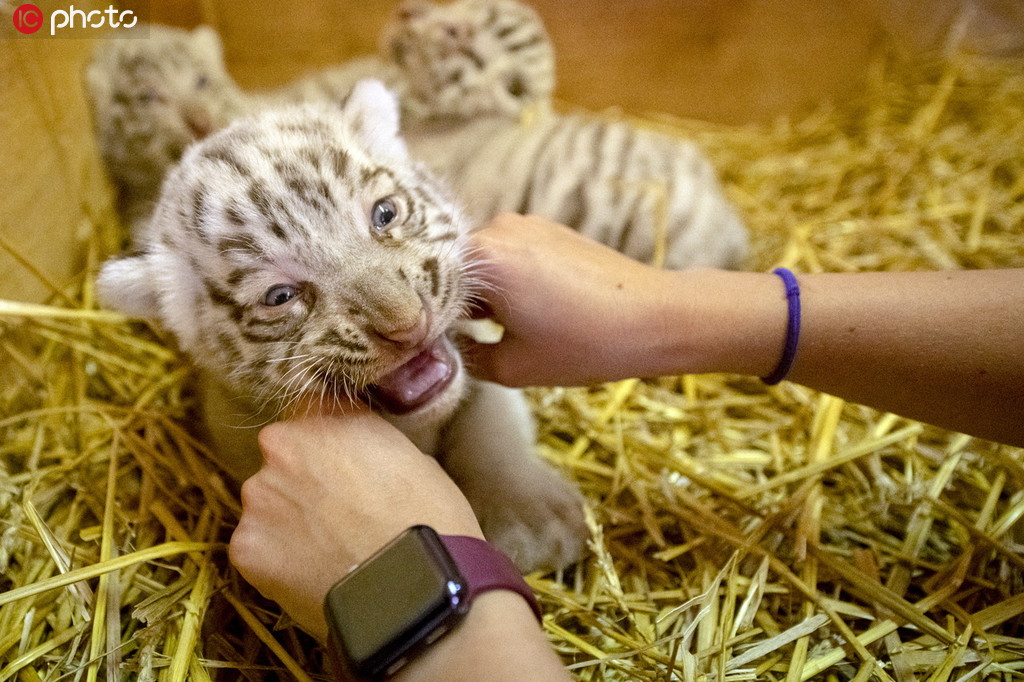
498	640
716	321
432	584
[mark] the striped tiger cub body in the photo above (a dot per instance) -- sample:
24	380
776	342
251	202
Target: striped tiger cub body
650	196
479	75
331	84
302	255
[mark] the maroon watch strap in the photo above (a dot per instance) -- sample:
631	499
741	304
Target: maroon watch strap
486	568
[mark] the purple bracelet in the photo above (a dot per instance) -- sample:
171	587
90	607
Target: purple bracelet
792	328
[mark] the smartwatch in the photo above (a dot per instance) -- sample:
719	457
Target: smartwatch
410	593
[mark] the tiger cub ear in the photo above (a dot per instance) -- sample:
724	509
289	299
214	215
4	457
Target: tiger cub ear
371	114
207	41
127	285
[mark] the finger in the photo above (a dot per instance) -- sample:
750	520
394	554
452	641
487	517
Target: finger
506	363
479	359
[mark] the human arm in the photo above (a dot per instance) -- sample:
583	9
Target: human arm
942	347
335	489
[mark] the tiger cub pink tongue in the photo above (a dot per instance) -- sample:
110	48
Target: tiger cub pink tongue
418	381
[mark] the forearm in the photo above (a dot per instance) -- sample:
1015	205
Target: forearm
499	640
941	347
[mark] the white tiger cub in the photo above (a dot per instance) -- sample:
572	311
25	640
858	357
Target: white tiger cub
301	253
469	58
471	68
151	98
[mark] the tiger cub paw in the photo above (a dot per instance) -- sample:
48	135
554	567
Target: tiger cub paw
541	526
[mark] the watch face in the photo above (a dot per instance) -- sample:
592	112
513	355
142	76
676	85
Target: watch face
406	595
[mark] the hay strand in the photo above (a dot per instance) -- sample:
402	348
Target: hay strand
161	551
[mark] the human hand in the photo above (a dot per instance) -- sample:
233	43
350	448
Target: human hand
570	306
332	491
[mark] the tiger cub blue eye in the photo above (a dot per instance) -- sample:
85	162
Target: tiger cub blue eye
383	214
279	294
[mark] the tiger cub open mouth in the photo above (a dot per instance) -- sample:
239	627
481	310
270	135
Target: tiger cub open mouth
418	381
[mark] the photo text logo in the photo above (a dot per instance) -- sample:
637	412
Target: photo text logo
29	19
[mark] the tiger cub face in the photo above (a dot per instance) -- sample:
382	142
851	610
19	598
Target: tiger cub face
153	96
301	253
470	57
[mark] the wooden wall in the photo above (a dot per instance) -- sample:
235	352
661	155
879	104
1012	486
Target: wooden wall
728	61
51	182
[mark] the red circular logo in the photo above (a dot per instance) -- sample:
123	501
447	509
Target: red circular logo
28	18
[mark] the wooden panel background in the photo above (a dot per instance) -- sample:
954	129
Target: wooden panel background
51	181
736	61
726	61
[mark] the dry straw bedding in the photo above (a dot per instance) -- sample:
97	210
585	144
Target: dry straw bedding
739	532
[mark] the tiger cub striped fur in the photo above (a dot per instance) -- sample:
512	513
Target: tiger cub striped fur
650	196
472	68
302	254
